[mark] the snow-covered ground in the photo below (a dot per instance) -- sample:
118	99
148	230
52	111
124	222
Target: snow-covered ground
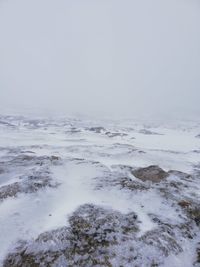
49	168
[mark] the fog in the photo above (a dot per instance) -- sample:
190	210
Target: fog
101	57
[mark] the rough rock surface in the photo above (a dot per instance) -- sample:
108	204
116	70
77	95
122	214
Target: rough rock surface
38	175
152	173
87	241
148	132
30	184
94	238
97	129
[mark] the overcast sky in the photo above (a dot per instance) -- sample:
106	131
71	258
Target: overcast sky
121	57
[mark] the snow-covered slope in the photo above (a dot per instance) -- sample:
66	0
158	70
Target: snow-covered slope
70	196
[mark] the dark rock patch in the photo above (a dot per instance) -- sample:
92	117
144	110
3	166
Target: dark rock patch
25	160
194	214
112	134
180	174
127	183
152	173
98	129
30	184
196	151
184	203
5	123
74	130
164	239
192	210
148	132
184	229
36	174
197	262
98	236
86	242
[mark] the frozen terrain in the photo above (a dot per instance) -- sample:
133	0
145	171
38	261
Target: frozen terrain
76	192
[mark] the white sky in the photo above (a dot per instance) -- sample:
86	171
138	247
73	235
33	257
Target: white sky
101	57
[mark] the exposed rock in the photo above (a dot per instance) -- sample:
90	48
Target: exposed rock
196	151
111	134
185	230
5	123
194	213
127	183
148	132
55	158
180	174
93	230
152	173
197	262
192	210
30	184
119	177
97	236
164	239
98	129
184	203
30	160
36	174
75	130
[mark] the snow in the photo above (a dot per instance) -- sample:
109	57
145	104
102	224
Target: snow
85	156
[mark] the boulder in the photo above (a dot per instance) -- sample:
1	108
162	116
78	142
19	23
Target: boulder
151	173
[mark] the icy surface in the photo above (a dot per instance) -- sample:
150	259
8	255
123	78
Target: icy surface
53	171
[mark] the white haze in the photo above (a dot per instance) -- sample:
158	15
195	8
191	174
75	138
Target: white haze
104	57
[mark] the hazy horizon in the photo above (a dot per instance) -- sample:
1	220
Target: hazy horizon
130	58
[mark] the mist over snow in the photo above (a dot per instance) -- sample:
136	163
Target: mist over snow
99	133
109	57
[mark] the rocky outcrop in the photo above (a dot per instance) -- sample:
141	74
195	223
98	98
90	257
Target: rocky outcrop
148	132
114	134
31	184
152	173
97	129
87	241
36	174
98	236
